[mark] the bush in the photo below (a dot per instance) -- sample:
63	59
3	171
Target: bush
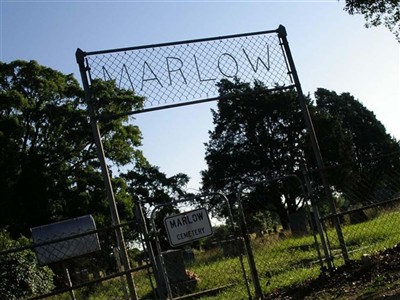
20	275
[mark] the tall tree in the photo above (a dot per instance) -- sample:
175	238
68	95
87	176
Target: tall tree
258	135
148	184
50	169
377	12
374	152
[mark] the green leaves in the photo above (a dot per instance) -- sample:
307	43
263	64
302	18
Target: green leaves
353	134
261	135
50	169
377	12
20	276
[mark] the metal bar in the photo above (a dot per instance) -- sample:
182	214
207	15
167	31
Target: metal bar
152	218
69	282
149	271
81	285
249	249
198	294
32	246
179	42
318	221
250	257
313	137
149	248
105	173
359	209
145	110
162	268
235	230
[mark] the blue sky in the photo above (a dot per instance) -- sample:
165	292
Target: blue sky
331	49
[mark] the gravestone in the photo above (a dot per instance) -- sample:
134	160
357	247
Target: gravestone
176	272
298	222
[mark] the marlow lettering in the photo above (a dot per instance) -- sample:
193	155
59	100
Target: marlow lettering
178	70
185	220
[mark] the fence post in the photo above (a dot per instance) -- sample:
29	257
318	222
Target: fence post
249	249
80	56
316	215
69	282
149	248
310	128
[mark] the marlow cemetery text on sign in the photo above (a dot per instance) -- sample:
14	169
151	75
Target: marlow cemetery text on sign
188	227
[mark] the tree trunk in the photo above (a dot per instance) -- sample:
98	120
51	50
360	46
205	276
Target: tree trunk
283	217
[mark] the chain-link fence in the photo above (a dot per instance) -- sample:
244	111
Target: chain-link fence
366	194
198	253
74	265
284	237
273	224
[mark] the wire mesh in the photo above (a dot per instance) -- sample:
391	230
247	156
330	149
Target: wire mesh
367	197
285	243
209	266
95	275
189	71
286	251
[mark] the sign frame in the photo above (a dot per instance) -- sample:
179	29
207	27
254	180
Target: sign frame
187	227
65	239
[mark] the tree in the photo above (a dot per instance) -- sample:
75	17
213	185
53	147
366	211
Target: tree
377	12
258	135
50	169
148	184
368	145
20	275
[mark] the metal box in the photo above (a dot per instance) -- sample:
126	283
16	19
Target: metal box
70	244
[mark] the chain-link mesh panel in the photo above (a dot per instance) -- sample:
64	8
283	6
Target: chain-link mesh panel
95	275
189	71
213	265
367	197
283	234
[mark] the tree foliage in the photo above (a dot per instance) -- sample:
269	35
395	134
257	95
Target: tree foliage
20	275
50	169
153	187
366	143
260	136
377	12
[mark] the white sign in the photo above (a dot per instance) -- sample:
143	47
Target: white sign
188	227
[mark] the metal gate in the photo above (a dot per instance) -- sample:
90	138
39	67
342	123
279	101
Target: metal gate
197	253
285	236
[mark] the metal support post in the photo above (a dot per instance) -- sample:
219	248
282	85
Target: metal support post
314	141
315	209
106	177
161	291
250	256
69	282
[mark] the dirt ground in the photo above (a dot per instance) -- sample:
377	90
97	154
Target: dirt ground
375	276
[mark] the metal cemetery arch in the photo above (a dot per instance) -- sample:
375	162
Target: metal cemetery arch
184	73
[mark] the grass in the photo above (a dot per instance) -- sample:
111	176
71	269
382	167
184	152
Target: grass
373	235
281	262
